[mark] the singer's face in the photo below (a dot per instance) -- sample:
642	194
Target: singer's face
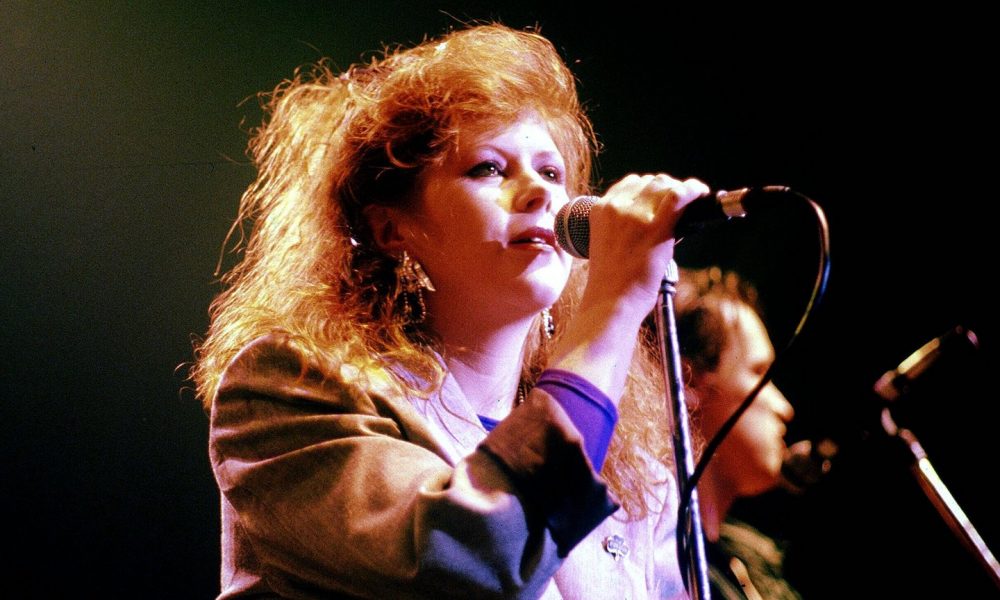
749	461
483	221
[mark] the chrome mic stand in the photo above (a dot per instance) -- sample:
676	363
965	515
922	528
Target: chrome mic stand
691	542
941	498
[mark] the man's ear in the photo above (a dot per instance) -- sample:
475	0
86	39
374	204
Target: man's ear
693	384
387	232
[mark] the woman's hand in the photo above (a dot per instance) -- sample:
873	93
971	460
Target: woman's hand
631	237
631	244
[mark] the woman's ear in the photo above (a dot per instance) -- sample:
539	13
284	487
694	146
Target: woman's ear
387	232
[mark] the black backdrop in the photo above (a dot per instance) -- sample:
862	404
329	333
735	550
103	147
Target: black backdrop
121	163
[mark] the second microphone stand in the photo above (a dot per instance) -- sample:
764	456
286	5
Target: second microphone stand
691	542
941	497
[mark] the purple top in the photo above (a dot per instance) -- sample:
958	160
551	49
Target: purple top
591	411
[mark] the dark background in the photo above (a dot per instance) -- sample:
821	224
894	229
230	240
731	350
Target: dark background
122	131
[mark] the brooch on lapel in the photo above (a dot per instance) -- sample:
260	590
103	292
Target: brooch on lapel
616	546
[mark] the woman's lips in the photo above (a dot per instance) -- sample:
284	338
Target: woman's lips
535	235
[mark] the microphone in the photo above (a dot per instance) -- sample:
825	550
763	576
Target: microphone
896	382
573	219
805	463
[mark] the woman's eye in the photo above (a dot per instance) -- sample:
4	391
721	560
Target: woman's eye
486	169
552	174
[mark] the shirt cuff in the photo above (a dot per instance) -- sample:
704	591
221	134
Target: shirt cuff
590	409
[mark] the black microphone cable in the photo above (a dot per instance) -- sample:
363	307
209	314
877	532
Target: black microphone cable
818	290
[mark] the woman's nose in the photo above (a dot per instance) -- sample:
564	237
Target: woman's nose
533	193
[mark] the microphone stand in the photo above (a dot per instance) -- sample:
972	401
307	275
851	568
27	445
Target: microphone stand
941	498
692	542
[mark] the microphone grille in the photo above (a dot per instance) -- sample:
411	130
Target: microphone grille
573	226
805	463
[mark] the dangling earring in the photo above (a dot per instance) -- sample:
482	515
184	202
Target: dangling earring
548	324
413	280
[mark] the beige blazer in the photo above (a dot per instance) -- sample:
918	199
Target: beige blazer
344	487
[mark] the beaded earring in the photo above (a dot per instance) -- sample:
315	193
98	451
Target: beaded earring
548	324
413	280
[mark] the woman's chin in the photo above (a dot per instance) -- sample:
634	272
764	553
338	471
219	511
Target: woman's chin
543	291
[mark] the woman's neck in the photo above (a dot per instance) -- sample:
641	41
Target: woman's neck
485	361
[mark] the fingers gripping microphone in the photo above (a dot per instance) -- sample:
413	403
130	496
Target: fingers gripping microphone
573	219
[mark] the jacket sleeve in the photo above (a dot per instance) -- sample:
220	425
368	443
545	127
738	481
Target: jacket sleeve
332	495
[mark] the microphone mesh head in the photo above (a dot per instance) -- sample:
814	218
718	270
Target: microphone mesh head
573	226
